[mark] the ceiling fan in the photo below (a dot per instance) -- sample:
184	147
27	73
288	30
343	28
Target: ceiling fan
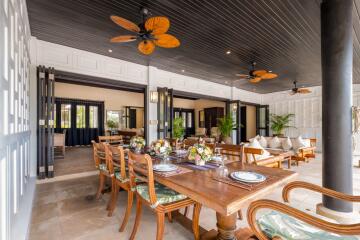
256	76
151	32
297	90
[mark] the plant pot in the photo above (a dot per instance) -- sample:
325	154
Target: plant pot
227	140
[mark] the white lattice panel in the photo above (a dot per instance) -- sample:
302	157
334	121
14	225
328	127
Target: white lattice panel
14	114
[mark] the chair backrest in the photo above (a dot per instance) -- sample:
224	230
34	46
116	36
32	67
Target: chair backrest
115	139
98	153
232	151
140	167
188	142
115	157
250	154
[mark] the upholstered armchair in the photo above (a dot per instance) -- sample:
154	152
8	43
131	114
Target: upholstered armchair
282	221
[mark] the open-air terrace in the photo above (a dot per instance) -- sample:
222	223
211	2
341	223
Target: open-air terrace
228	120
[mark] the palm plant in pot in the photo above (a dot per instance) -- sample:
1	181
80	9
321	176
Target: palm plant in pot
178	129
280	122
226	125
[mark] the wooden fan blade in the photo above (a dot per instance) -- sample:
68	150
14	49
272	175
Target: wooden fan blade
304	90
146	47
166	41
255	79
122	22
242	75
259	73
269	76
157	25
123	38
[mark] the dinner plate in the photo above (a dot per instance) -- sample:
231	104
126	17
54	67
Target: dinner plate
164	167
181	152
217	158
250	177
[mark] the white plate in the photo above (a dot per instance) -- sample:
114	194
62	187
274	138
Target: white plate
217	158
248	176
181	152
164	167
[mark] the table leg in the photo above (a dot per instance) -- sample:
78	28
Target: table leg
289	162
226	226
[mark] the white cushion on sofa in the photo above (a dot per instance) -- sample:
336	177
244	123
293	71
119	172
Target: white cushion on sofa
263	142
255	144
257	137
286	144
275	143
298	143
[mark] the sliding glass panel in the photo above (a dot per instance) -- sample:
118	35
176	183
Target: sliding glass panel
183	116
65	116
93	117
80	116
189	120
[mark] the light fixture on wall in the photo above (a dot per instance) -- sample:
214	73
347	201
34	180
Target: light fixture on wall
154	96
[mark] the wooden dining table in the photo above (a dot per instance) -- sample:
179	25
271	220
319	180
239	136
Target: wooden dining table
225	198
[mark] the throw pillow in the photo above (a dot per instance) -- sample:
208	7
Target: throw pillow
255	144
275	143
299	143
263	142
286	144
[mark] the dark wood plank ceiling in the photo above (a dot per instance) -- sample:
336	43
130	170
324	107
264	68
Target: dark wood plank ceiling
280	35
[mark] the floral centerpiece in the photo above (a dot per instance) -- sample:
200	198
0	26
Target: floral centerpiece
200	154
161	147
137	143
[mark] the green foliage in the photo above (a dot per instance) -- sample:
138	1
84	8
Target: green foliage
226	125
178	127
112	124
280	122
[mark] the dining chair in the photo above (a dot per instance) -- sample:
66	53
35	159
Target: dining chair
253	156
283	221
188	142
161	199
114	139
100	164
115	156
231	151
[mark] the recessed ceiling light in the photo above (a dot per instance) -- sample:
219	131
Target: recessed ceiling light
183	70
228	52
110	50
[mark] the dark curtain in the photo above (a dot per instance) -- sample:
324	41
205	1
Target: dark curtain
83	135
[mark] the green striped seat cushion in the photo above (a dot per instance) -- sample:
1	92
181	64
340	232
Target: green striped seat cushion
164	194
274	223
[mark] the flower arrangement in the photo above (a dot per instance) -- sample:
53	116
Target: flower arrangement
161	147
137	143
200	154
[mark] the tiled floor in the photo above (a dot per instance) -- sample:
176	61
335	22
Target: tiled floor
66	210
76	160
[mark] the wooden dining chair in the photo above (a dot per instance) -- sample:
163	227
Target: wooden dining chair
231	151
161	199
120	180
114	139
189	142
285	222
102	165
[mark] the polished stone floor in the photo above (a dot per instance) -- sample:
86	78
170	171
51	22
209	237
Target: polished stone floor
76	160
66	210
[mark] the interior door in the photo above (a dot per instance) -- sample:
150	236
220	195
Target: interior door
165	113
262	120
189	120
234	109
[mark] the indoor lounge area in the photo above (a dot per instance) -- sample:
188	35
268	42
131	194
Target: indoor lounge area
227	120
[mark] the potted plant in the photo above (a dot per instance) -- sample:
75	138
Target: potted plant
226	125
280	122
112	125
178	129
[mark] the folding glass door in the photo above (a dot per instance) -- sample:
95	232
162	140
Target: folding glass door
165	112
262	120
80	120
234	111
188	119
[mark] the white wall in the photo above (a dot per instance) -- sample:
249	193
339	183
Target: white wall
307	110
16	185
